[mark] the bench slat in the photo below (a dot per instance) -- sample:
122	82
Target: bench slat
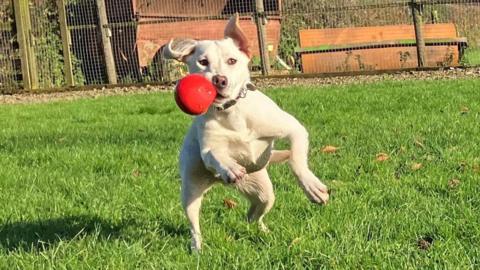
384	44
352	35
368	60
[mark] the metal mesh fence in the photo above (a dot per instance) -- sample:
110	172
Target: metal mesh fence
379	35
317	36
47	44
9	58
82	21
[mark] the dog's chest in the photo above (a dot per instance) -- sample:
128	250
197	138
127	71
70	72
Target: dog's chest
250	152
244	145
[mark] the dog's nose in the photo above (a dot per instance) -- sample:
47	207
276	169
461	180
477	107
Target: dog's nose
220	81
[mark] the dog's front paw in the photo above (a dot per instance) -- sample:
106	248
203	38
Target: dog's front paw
233	173
315	190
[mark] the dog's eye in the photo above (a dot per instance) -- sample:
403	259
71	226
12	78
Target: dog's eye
231	61
203	62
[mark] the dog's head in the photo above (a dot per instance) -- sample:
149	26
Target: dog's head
224	62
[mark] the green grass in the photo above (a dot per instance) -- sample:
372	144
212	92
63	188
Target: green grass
94	184
472	57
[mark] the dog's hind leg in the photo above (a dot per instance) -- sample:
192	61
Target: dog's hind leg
258	189
279	156
192	195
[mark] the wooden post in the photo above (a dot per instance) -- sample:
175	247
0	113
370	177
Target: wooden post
22	44
106	33
66	42
261	20
30	45
25	44
418	24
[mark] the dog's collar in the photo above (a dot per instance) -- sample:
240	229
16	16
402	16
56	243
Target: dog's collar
231	102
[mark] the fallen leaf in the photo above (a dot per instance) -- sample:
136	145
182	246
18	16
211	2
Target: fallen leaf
136	173
418	143
382	157
464	110
229	203
417	166
294	241
425	243
329	149
453	183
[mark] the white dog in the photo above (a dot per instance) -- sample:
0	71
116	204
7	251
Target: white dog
233	141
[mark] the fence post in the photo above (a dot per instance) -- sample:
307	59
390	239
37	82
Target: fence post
25	44
418	25
261	21
65	34
30	45
106	33
22	44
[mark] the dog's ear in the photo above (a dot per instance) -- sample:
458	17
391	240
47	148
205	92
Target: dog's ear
179	49
234	32
250	86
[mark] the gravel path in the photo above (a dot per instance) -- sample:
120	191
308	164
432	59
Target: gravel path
261	83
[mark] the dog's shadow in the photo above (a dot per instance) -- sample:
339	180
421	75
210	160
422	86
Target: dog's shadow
43	234
169	228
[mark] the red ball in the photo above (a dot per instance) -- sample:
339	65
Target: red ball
194	94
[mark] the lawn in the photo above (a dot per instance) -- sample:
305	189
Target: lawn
94	184
471	57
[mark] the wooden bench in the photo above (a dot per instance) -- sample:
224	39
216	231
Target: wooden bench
377	48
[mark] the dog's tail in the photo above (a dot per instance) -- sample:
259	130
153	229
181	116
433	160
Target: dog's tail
279	156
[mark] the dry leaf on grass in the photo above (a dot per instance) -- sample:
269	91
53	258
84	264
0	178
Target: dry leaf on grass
329	149
417	166
294	241
425	243
382	157
136	173
464	110
418	143
453	183
229	203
